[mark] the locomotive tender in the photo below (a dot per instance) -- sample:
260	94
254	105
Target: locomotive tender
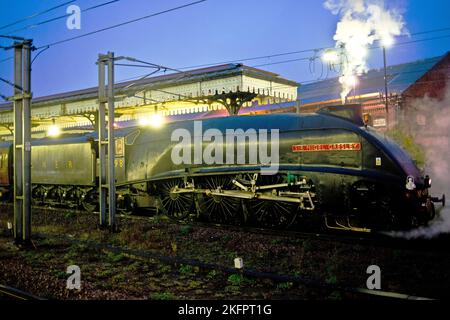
330	166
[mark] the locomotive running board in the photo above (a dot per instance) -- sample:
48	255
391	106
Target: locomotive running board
346	228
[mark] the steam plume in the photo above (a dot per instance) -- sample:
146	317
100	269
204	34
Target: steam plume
362	23
434	136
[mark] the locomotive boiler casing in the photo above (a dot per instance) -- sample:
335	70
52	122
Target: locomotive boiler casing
341	167
339	175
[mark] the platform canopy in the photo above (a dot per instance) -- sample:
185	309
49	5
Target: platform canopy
192	94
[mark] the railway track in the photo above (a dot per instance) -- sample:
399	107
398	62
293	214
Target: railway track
150	255
440	243
139	254
10	293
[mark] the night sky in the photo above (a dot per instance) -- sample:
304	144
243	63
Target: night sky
209	32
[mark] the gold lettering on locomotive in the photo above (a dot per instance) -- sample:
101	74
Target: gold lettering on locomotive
346	146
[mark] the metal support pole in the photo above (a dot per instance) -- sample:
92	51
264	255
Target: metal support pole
102	139
111	144
26	136
386	88
22	142
18	177
107	183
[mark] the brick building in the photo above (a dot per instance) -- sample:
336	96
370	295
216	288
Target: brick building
406	84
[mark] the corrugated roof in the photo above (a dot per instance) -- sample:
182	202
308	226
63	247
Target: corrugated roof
400	78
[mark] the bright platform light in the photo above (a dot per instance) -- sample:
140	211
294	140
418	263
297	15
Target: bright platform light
155	121
53	131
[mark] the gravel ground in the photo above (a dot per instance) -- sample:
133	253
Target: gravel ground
41	269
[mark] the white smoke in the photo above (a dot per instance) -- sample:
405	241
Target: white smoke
362	23
429	121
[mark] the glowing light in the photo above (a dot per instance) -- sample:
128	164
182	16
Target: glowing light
155	121
143	121
53	131
330	56
387	41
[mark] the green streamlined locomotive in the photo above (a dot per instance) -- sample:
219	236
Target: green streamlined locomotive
266	170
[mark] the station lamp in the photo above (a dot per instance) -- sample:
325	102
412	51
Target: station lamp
53	130
387	41
155	120
330	56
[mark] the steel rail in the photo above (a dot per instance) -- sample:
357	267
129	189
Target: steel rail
17	294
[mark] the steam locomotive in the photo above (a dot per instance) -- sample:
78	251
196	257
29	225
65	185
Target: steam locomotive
327	165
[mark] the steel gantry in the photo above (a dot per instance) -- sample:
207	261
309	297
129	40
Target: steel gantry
22	141
21	130
107	185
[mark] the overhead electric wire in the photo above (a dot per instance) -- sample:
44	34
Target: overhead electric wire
294	52
36	14
250	58
34	25
6	59
412	41
150	65
312	50
114	26
123	23
254	58
280	62
429	31
333	85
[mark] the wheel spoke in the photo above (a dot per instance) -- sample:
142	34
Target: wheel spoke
271	213
218	209
176	205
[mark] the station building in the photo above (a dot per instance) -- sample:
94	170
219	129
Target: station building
214	91
194	94
407	84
